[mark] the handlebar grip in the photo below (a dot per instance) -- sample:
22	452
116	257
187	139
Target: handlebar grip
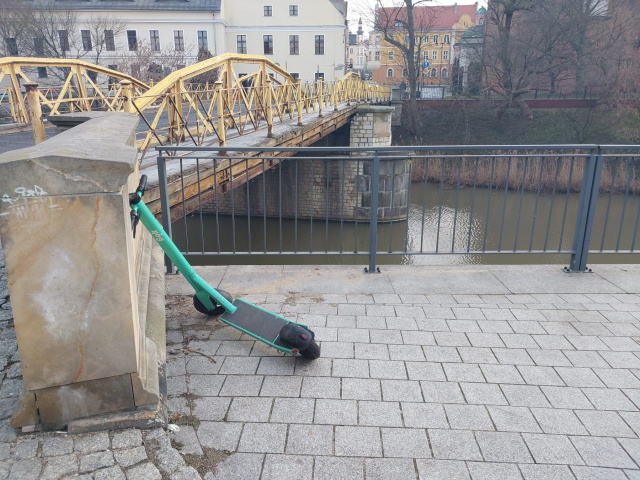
142	186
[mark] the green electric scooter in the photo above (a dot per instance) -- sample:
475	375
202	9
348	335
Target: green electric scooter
282	334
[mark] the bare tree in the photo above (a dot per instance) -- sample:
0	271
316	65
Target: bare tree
149	65
47	31
402	26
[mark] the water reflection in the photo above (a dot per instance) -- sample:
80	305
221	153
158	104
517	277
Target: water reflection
440	222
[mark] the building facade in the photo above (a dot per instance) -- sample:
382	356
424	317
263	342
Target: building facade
438	29
305	38
150	38
358	52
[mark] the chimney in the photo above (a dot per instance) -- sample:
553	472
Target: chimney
455	7
476	6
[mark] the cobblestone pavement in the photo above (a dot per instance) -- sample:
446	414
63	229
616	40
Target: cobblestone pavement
498	385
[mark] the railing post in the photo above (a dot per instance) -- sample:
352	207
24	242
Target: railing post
373	224
320	82
164	205
126	95
335	95
220	105
299	100
269	109
586	212
35	112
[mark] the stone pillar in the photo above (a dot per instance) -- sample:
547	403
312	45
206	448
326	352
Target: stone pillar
371	127
78	280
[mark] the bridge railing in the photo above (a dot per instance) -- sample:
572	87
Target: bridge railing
183	109
482	204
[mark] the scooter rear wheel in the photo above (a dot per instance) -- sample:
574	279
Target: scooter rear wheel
217	310
312	351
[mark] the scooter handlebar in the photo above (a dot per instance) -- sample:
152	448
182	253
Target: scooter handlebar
142	186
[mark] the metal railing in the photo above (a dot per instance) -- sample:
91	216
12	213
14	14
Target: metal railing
570	200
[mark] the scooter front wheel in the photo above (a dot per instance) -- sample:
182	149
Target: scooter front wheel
312	351
217	310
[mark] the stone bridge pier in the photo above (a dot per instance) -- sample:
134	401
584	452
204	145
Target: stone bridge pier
309	187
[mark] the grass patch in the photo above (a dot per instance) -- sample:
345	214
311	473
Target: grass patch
208	461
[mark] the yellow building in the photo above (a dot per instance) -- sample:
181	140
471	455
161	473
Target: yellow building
438	28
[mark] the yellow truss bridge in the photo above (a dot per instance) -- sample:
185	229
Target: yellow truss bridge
181	108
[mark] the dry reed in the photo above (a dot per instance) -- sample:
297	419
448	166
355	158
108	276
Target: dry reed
546	173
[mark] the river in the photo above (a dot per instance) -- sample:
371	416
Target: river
476	224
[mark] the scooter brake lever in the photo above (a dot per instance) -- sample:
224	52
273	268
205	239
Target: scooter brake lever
135	218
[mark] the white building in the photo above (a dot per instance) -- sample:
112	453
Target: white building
306	38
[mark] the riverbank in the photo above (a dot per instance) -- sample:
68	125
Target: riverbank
533	173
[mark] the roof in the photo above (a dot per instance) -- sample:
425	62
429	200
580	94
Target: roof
476	31
178	5
481	11
428	17
353	39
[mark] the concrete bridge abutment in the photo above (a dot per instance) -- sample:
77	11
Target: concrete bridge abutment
321	188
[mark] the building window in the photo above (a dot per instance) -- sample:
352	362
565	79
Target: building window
12	46
481	21
86	40
446	39
405	73
445	55
377	40
390	73
293	10
351	50
319	76
426	39
434	55
294	45
390	56
42	72
268	11
435	39
445	73
417	40
63	36
38	45
415	57
267	40
398	23
132	40
295	76
154	39
241	43
406	39
319	44
425	55
178	39
203	41
434	72
377	56
109	41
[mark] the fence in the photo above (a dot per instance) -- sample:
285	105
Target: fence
570	200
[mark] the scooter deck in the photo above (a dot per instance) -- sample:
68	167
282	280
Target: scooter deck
257	322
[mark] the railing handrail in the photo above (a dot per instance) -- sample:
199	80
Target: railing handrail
403	148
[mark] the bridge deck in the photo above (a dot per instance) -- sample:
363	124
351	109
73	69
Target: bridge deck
285	134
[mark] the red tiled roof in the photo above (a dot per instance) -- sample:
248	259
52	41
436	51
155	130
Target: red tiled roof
429	17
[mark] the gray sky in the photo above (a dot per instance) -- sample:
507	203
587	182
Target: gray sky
357	7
